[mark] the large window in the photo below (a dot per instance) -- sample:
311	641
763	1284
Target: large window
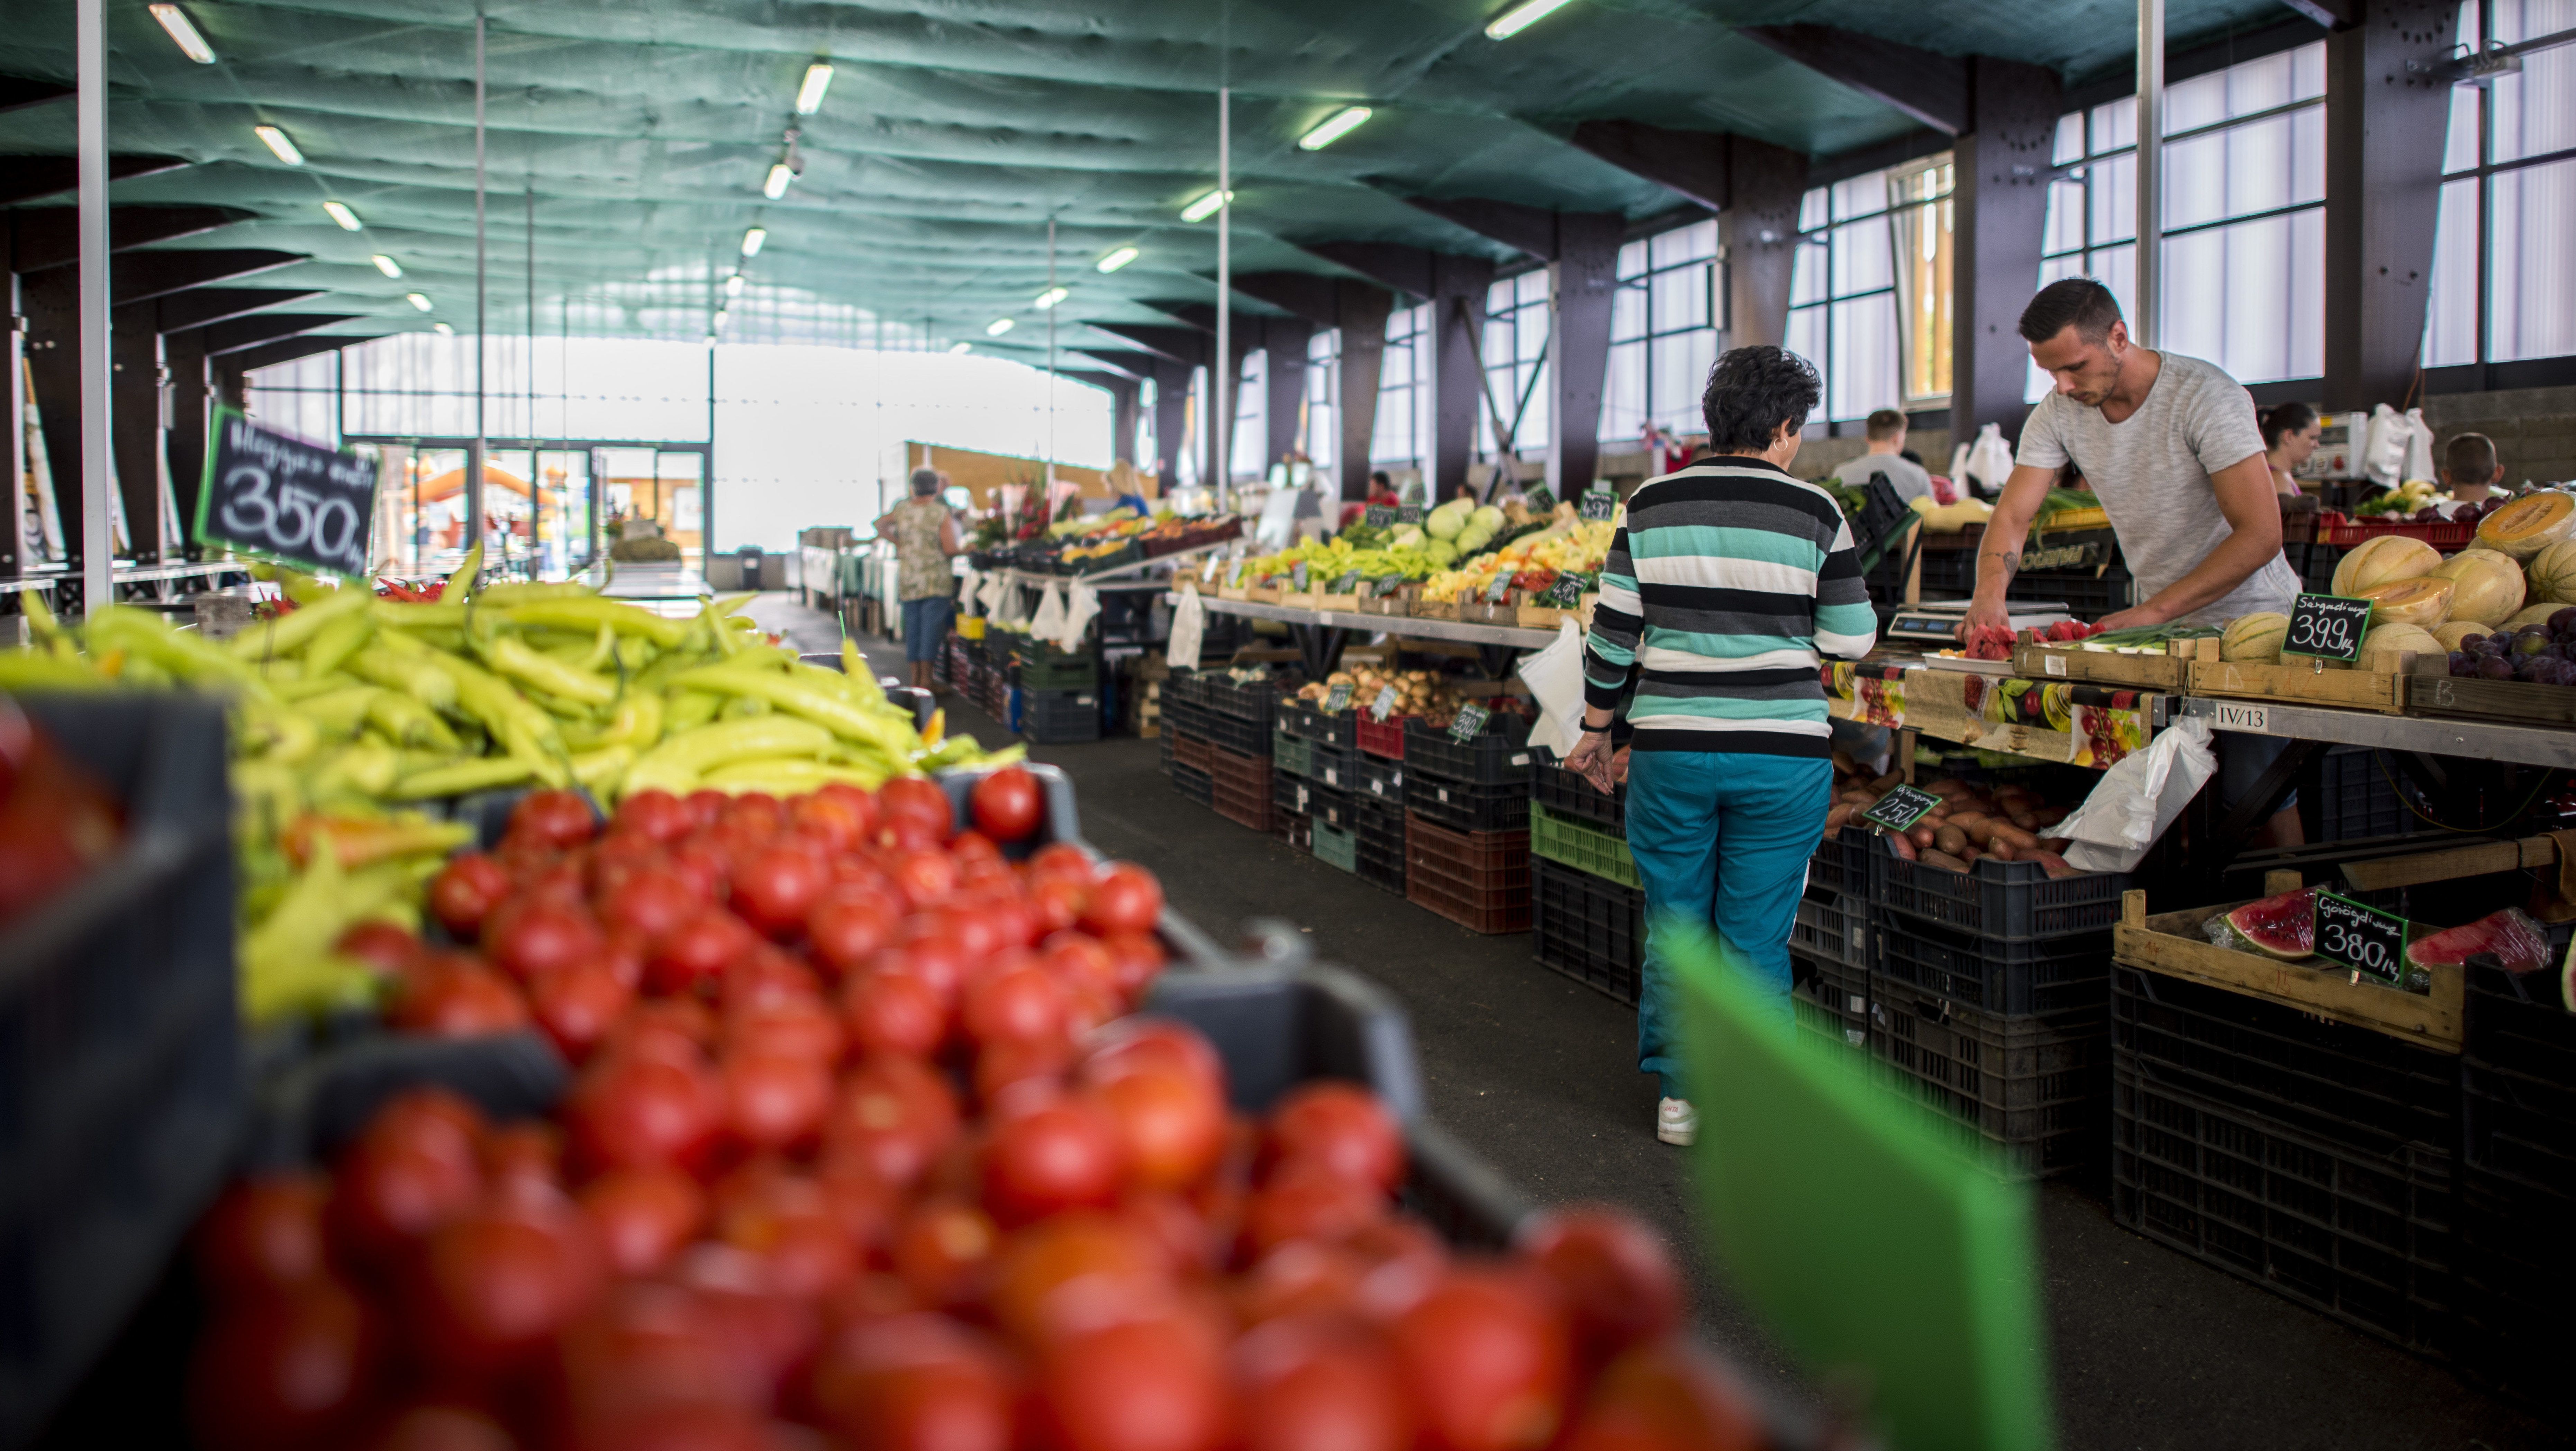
1320	432
2244	214
1869	292
1401	438
1250	441
1516	366
2504	262
1666	323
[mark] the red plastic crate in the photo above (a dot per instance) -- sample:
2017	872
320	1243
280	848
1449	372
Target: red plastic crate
1239	788
1477	879
2336	529
1383	738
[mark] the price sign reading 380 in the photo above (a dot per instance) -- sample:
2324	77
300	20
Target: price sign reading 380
271	494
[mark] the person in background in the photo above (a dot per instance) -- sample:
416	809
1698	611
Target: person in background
1127	489
2290	434
1723	587
925	539
1381	489
1886	455
2470	469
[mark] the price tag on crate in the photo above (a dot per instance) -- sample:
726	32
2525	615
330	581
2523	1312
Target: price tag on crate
1408	514
1381	516
1567	592
1349	583
1901	808
2361	937
1540	499
1471	719
1234	575
1337	699
2328	627
1387	586
1299	574
1384	705
1501	586
1598	504
277	496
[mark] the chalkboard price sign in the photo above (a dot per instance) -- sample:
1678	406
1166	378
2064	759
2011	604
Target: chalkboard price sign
1598	504
1384	705
1337	699
1349	582
1471	719
274	495
1901	808
1501	586
2361	937
1567	592
1299	574
1540	499
1408	514
2328	627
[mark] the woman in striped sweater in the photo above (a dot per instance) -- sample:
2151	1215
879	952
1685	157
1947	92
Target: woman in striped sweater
1726	584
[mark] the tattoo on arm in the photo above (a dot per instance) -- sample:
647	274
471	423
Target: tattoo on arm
2011	562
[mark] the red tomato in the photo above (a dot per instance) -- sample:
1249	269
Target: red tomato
523	1153
972	926
1008	804
758	811
1618	1282
775	1100
578	1006
1300	1277
975	853
294	1369
467	888
701	866
1012	1076
656	816
1488	1361
681	1427
556	819
651	902
1141	1043
457	997
893	1117
1135	957
830	822
766	977
776	888
1067	1155
634	1112
1316	1385
862	804
1173	1125
1055	902
938	961
916	1383
1305	1200
1126	898
924	875
1088	1007
544	938
442	1428
381	945
1079	957
1343	1127
919	800
649	1348
1144	1385
894	1012
842	931
1065	861
786	1221
263	1236
644	1216
943	1250
698	952
1664	1396
1085	1255
1014	1005
706	807
494	1286
800	1027
385	1196
676	1029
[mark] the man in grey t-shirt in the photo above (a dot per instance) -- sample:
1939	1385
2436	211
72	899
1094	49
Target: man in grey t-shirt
1886	455
2172	447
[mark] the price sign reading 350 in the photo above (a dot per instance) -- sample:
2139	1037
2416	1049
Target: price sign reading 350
270	494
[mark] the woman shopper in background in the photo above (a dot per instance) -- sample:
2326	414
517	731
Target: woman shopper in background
925	539
1723	587
2290	434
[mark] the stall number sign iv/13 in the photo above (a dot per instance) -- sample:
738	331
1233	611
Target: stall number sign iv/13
2361	937
2328	627
1337	699
1901	808
276	496
1384	705
1471	719
1598	504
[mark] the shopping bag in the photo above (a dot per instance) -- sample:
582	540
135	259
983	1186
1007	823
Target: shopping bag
969	591
2138	797
1189	622
1048	622
1991	461
2419	447
2383	454
1080	605
1555	678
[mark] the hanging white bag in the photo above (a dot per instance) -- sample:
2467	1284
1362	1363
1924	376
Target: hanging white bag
1048	623
1991	461
1555	678
2419	447
2138	797
2383	455
1078	610
1189	622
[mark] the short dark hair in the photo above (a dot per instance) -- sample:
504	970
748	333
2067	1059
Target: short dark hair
925	482
2085	304
2283	419
1751	392
1885	424
1381	476
2471	458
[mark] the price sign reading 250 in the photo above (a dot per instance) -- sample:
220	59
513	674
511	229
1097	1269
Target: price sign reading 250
272	494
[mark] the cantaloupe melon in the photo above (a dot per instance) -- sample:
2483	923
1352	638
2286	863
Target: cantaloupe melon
2254	639
2453	632
2388	640
2490	584
2422	602
2381	560
2532	615
2530	524
2552	573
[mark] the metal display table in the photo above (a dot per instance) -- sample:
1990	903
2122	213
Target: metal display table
2479	740
1321	633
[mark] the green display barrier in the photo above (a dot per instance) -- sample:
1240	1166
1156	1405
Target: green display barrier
1879	1254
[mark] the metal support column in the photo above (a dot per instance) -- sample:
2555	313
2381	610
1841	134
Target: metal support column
97	444
2144	318
1360	315
2388	111
1582	283
2001	206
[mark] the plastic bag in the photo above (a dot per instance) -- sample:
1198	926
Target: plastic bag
1048	622
1189	623
970	602
1081	604
2390	441
2138	797
2419	447
1990	462
1555	678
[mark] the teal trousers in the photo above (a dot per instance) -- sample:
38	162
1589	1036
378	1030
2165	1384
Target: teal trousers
1721	840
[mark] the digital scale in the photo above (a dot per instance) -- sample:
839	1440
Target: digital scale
1936	622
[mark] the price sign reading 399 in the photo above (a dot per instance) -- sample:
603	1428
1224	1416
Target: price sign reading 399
2329	627
272	494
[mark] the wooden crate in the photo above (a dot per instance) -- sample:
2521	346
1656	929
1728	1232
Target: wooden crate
1435	609
1232	592
1477	612
1348	604
2172	943
1399	603
2167	673
2511	702
2312	683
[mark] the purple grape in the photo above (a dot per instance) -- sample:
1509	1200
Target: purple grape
2531	642
2463	663
2548	670
2495	667
2563	622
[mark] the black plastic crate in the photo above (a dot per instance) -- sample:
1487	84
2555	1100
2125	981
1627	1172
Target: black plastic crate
1832	926
1590	929
1163	751
2086	595
1336	768
1185	687
1254	701
1180	717
1499	753
2520	1025
122	1090
1060	717
1503	806
1308	720
1992	898
1377	777
1568	794
2001	974
2324	1079
2513	1272
1380	829
2031	1087
1194	785
2366	1238
1841	861
2355	799
1237	734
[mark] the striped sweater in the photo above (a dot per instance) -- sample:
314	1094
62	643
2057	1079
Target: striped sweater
1723	587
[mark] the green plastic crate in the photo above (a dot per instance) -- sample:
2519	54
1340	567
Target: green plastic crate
1059	674
1582	846
1293	755
1336	847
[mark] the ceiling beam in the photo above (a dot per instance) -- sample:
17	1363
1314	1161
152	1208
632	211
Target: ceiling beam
250	360
205	306
250	332
147	275
1521	228
49	236
2332	14
1691	163
17	91
1181	345
1933	89
1391	265
1127	365
1309	295
25	178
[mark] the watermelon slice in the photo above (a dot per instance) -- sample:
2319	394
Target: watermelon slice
2567	979
2510	937
2284	926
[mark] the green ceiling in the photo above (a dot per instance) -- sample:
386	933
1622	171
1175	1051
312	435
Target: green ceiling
954	130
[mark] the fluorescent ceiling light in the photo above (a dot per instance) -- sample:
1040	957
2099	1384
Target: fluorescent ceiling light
418	300
752	241
1336	126
1051	297
997	327
278	143
1205	207
191	44
733	285
955	348
780	175
386	265
340	213
723	316
1117	259
1521	17
809	96
442	329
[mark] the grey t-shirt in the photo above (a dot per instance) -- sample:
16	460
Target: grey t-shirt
2152	472
1912	481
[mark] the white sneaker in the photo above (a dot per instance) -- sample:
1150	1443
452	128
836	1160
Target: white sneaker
1676	1122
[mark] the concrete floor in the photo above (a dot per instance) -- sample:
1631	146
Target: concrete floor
2150	1350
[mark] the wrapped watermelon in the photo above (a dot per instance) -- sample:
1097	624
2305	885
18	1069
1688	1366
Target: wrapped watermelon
2283	927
